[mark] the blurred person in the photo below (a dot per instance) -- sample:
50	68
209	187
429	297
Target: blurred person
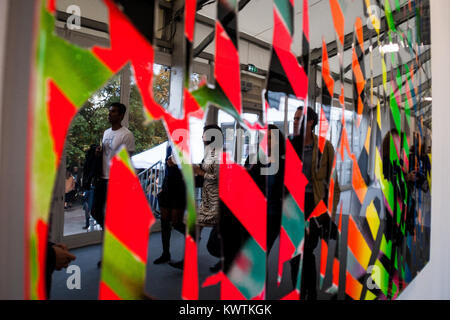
91	169
208	172
69	192
317	168
113	139
172	204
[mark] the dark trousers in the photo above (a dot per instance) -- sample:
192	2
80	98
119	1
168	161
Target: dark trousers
98	208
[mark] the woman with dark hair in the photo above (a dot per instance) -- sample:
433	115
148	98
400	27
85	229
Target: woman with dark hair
172	202
318	170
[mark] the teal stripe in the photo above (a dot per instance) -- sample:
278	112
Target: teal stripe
250	282
285	9
293	220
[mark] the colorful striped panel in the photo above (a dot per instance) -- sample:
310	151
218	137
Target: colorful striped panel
126	239
359	81
282	42
291	233
227	69
55	99
252	214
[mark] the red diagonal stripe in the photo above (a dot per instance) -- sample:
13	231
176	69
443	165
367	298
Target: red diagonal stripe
306	19
323	258
228	290
294	179
243	197
282	45
318	210
190	275
190	8
60	111
287	250
128	215
227	69
106	293
41	239
293	295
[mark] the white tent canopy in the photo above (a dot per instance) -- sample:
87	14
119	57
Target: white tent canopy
146	159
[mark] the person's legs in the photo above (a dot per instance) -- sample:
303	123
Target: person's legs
166	230
177	223
98	208
86	211
177	220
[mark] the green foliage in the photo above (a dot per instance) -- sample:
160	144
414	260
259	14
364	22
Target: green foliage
92	119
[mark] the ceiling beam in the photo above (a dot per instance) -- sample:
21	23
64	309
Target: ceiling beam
210	37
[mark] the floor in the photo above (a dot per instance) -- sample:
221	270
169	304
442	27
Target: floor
163	281
74	220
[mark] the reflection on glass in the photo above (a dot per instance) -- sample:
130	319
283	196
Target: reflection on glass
84	136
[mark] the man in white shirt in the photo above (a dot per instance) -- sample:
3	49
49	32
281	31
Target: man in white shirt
113	139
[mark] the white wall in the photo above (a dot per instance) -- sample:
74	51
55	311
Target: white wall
434	281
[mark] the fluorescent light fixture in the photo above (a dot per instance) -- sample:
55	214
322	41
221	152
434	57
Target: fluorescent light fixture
428	99
390	48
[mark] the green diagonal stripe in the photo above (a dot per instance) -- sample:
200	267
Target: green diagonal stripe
121	270
76	71
395	111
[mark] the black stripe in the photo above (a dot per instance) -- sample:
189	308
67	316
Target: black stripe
228	18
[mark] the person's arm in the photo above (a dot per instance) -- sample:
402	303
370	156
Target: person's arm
129	143
72	184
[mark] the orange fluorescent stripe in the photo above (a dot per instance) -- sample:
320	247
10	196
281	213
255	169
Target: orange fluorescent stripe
357	244
359	77
359	32
336	272
352	287
357	181
329	81
338	19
